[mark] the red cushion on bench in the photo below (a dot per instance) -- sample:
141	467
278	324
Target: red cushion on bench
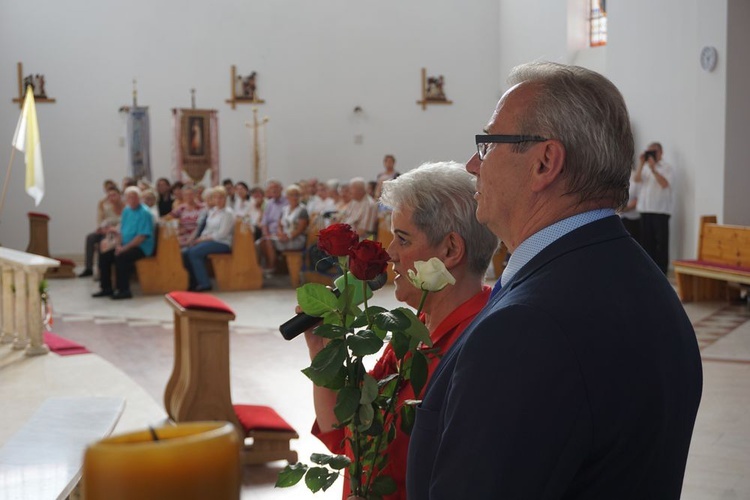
261	418
65	262
200	301
716	265
39	214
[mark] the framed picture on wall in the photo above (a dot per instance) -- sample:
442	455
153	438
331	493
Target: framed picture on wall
195	142
195	135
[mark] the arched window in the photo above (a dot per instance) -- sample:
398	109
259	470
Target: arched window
597	23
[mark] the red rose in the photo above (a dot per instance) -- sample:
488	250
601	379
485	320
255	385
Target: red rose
368	259
337	239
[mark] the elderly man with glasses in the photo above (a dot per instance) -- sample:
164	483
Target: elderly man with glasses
581	378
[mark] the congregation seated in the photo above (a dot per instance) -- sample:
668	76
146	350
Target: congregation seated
291	229
121	248
215	238
320	204
108	214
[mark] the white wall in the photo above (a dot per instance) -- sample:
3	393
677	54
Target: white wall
654	59
652	55
737	173
316	61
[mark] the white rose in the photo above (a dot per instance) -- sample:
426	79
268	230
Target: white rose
431	276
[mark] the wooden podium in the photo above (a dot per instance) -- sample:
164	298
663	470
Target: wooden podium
39	245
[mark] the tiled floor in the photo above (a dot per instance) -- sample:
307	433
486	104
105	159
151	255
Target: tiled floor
136	336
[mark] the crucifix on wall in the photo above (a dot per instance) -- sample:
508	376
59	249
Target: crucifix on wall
258	128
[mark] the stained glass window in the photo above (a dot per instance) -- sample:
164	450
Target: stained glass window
597	23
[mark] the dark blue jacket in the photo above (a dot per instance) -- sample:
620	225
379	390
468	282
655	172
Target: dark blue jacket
580	380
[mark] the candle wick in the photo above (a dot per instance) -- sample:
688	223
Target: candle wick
153	433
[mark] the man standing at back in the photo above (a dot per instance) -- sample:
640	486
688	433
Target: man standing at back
581	378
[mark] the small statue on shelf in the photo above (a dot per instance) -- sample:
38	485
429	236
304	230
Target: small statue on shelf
248	87
37	85
434	91
40	91
29	80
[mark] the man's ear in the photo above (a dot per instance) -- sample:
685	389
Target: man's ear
550	164
453	250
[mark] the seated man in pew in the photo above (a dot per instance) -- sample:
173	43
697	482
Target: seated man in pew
134	240
216	237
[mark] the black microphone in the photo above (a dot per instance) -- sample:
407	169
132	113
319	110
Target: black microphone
302	322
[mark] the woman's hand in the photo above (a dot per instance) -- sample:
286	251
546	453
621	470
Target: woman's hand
315	344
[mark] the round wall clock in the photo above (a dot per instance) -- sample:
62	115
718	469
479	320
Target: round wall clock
709	57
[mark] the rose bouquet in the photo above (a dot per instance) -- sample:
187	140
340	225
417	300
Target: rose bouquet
365	407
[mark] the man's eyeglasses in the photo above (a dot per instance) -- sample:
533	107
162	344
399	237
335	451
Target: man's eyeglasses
484	141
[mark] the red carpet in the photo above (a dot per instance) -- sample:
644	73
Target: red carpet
63	346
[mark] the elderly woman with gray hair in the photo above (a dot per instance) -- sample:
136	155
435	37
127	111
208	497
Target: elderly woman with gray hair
433	216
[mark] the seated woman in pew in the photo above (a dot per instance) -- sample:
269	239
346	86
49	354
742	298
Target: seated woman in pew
216	237
187	213
292	228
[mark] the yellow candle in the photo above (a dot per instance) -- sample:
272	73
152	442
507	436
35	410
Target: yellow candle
195	460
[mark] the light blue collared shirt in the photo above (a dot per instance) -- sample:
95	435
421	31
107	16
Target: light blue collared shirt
540	240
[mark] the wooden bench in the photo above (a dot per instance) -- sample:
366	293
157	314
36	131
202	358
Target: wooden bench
238	270
723	257
164	272
199	387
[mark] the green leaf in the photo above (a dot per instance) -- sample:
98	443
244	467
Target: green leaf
316	299
366	416
336	462
364	342
418	376
376	428
331	318
369	389
408	413
331	331
320	458
362	318
338	381
318	478
345	298
400	344
339	462
384	485
326	364
290	475
347	402
416	329
393	320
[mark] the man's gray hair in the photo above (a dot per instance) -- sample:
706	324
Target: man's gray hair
585	111
441	198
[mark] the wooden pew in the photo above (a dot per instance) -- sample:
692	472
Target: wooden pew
164	271
199	387
723	257
238	270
